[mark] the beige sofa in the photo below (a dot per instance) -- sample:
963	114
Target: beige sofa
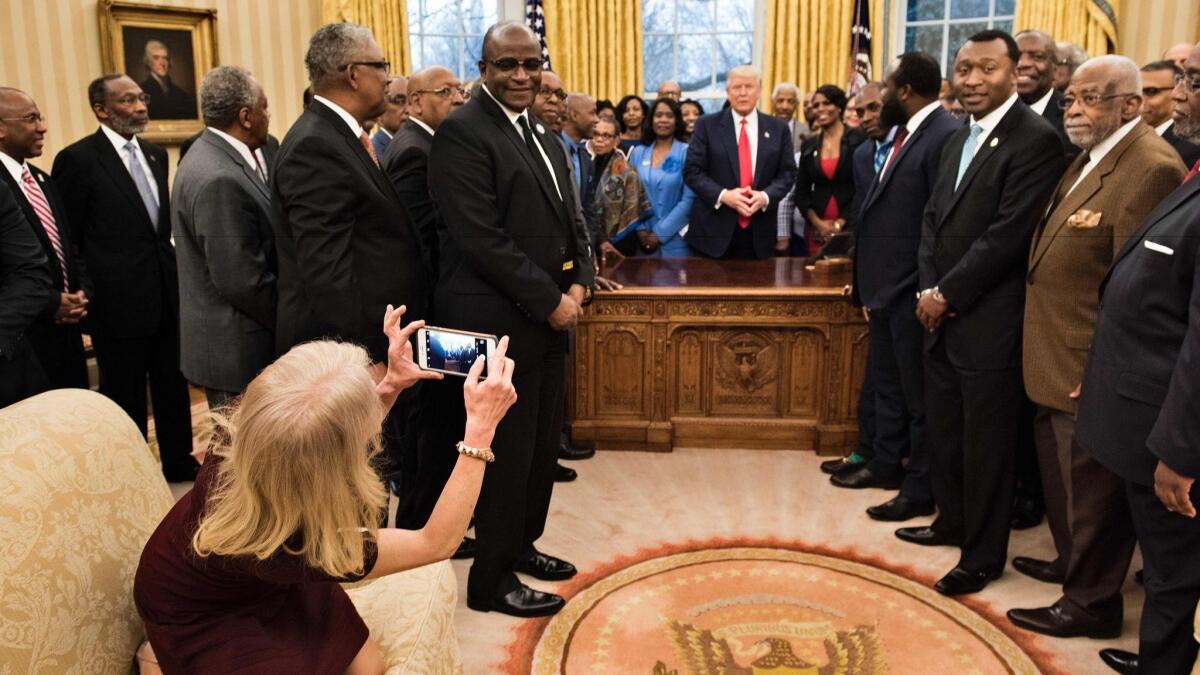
80	493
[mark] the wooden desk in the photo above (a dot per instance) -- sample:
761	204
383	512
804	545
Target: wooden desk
731	354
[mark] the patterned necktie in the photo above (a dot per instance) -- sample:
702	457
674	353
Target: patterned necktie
37	199
968	153
366	143
745	168
1195	170
141	182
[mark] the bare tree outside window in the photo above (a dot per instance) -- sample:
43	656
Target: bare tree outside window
939	27
449	33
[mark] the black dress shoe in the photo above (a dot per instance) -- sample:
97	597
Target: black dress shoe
925	536
572	454
465	550
1120	660
832	466
1063	619
901	508
545	567
523	602
564	474
1042	570
1027	512
862	477
959	581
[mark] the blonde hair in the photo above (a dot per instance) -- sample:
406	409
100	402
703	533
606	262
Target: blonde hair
298	455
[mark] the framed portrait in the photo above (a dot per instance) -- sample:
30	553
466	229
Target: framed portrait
167	51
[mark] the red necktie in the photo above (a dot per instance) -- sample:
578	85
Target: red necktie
37	199
897	143
1195	170
745	168
366	141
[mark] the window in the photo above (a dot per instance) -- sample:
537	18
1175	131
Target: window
449	33
939	27
696	42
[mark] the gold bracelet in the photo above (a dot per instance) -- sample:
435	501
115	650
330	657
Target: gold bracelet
484	454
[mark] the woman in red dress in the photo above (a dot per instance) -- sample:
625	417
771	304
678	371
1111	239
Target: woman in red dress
825	172
241	575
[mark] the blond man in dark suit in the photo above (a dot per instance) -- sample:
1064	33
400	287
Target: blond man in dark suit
1125	169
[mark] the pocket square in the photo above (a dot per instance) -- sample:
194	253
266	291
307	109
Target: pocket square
1154	246
1084	219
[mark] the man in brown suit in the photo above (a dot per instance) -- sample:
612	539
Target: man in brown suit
1125	169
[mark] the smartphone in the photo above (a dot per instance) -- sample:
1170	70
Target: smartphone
452	351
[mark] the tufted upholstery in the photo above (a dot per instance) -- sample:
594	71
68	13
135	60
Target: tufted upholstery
80	493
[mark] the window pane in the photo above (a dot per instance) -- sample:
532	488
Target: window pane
926	39
695	16
735	15
658	16
926	10
712	105
440	17
1006	7
439	51
478	15
472	49
1005	25
733	49
968	9
695	62
959	32
414	15
657	50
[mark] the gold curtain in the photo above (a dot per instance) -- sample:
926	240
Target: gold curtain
807	42
596	45
387	19
1083	22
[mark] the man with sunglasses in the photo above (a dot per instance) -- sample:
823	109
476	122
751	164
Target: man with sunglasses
513	263
1158	81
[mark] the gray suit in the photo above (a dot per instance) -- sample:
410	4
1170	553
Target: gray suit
224	241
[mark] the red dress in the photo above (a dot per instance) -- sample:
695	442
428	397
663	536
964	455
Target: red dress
224	614
829	168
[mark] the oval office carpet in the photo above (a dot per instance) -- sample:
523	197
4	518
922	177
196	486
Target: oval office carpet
733	609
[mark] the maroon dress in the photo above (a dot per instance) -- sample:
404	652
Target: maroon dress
223	614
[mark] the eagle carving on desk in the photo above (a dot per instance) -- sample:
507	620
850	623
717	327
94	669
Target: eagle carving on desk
747	362
854	652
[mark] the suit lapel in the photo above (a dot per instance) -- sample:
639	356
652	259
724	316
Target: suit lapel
27	209
355	147
725	132
764	142
879	184
250	172
509	131
554	149
114	165
991	145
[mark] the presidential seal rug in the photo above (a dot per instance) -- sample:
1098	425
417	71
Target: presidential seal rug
728	609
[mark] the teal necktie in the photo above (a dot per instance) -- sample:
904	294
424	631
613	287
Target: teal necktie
968	153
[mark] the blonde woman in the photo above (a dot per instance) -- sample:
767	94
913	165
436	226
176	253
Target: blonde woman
241	574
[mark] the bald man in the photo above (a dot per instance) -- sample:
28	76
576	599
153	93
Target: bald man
670	89
1178	53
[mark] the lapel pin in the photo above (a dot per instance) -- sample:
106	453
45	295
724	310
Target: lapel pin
541	130
766	134
995	142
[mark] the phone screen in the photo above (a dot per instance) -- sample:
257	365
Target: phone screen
452	352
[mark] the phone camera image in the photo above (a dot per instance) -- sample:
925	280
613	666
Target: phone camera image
453	352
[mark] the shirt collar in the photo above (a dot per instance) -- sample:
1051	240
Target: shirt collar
1039	106
355	128
511	114
1162	128
990	120
13	166
920	116
751	119
119	142
421	123
241	148
1096	154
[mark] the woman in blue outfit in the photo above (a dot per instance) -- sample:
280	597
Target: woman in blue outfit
659	162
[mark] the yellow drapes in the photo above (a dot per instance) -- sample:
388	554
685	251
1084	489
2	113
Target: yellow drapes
1079	21
807	42
596	45
387	19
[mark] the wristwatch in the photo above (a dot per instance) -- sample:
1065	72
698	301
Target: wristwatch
589	294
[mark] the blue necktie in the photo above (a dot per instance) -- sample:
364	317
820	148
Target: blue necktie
968	153
141	182
881	153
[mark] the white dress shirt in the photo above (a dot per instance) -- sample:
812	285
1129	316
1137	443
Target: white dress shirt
752	136
513	116
119	143
254	159
417	121
14	168
1162	128
1096	154
355	128
1039	106
991	120
911	126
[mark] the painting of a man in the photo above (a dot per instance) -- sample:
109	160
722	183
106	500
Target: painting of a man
160	61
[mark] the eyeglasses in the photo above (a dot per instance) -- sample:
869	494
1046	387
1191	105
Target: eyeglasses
130	99
510	64
398	99
443	92
546	92
385	66
1155	91
1190	84
31	118
1088	100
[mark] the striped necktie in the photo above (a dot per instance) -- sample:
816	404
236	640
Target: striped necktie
37	199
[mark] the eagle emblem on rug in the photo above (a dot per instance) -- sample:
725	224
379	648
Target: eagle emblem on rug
854	652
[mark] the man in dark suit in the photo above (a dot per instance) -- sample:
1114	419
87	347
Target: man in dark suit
167	100
513	263
223	222
1035	82
1139	397
888	235
114	187
994	180
740	164
1158	81
393	117
24	285
56	336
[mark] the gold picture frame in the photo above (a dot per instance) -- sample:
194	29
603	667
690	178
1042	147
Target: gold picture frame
166	50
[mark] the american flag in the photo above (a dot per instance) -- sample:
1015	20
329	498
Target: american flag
535	18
